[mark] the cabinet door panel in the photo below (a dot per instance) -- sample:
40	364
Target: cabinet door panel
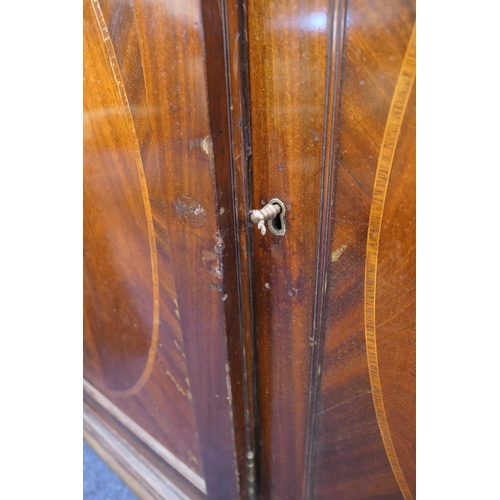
333	112
134	350
254	366
163	345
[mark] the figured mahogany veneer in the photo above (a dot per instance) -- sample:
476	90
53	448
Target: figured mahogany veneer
332	97
220	363
164	307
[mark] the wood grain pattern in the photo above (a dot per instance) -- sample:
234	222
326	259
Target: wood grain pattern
351	461
319	434
294	56
396	308
150	99
241	365
335	48
226	81
389	143
129	338
125	128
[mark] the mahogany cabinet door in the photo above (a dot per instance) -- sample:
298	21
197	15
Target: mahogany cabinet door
220	362
166	284
332	92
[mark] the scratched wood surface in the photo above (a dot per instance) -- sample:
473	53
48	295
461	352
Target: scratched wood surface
165	348
294	52
128	356
366	406
273	367
333	135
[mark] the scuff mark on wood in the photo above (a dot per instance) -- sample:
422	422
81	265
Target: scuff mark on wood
336	254
177	386
228	385
291	290
208	255
278	252
215	272
208	146
172	378
179	348
190	210
176	308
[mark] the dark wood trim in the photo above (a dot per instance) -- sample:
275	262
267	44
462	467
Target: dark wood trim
227	88
197	166
236	65
337	10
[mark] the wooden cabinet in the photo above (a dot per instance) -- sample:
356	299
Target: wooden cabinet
220	362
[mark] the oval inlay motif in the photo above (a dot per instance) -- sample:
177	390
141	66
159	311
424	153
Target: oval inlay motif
121	293
391	134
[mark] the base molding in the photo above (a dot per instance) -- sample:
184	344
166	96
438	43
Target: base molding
142	476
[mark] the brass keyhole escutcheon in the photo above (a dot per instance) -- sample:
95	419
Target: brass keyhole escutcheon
274	212
277	225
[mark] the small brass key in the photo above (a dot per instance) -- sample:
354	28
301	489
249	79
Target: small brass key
274	212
